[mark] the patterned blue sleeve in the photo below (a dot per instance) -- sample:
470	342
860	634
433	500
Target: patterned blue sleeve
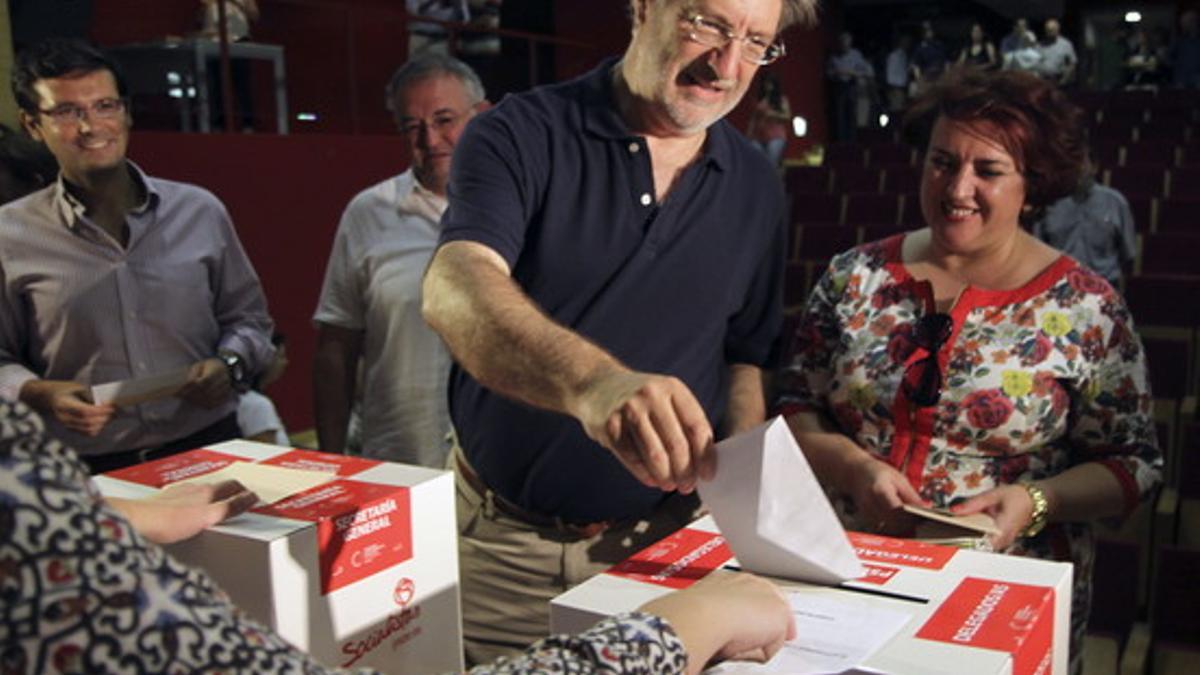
82	591
635	643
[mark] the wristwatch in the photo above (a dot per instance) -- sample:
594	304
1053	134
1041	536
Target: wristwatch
239	379
1037	520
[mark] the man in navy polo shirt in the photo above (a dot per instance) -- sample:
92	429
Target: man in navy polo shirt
608	281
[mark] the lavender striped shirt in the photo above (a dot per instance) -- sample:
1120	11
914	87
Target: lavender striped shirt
75	305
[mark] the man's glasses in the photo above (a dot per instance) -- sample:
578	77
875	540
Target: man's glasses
931	333
710	33
68	113
441	122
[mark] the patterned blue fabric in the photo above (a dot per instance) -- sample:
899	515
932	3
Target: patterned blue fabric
82	592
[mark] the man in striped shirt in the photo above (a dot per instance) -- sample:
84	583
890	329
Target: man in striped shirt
109	274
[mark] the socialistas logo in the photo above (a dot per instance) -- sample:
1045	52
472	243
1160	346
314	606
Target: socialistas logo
405	590
402	595
395	625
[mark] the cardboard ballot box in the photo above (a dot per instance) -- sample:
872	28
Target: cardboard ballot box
968	611
358	566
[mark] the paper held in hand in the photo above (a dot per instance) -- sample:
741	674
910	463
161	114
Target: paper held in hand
139	390
270	483
946	529
773	512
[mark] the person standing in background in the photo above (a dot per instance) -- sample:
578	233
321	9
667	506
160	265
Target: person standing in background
979	52
849	74
1094	226
1015	38
370	305
1185	51
928	58
897	74
1058	55
770	123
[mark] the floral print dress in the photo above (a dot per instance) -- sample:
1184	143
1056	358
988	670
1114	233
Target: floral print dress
1034	381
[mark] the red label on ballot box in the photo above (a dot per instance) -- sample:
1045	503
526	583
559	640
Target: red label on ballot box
877	574
1001	616
310	460
175	468
872	548
678	561
362	528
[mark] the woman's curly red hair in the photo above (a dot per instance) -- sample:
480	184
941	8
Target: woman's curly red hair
1031	118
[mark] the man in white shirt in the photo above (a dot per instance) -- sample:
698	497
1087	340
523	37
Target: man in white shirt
1013	41
370	306
1058	55
847	70
896	74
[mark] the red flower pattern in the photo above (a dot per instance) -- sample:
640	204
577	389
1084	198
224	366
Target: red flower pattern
987	409
1088	282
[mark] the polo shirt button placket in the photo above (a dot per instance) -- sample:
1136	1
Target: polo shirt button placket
646	199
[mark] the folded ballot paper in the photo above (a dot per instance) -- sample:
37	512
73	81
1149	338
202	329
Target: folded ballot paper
126	393
773	512
943	528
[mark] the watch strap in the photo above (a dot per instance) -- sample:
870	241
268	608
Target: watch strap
236	365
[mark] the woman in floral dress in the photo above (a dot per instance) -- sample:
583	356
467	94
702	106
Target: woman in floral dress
968	365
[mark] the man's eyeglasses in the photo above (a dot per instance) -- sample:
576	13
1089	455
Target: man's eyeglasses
69	113
931	333
443	121
710	33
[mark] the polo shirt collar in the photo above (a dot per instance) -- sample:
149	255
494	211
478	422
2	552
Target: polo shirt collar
601	117
422	201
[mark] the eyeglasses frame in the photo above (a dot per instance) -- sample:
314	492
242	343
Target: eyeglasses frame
774	51
81	113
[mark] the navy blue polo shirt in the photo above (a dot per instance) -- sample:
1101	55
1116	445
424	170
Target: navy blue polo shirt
553	180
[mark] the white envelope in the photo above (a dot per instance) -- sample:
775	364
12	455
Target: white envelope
773	512
132	392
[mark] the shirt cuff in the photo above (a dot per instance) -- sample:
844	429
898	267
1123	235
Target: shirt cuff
12	377
1129	484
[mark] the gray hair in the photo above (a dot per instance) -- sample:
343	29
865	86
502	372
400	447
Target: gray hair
432	64
798	12
794	12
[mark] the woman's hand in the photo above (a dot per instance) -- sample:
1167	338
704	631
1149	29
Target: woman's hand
1010	506
879	491
184	510
727	615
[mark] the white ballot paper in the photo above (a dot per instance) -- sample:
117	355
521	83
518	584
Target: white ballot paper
773	513
833	635
139	390
270	483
